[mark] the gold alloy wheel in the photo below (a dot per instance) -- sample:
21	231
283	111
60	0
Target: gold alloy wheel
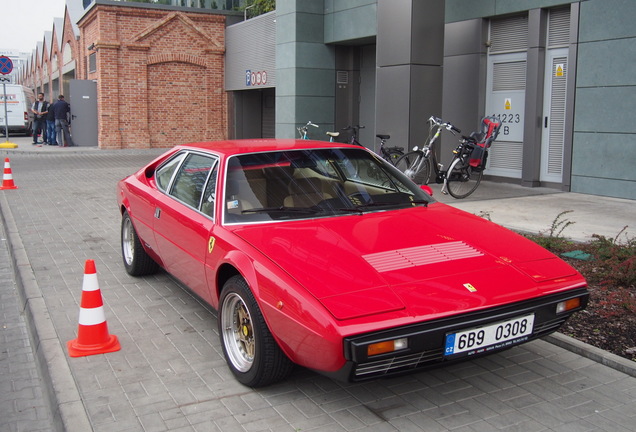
238	333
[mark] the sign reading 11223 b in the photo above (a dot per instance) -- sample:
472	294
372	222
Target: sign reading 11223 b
509	109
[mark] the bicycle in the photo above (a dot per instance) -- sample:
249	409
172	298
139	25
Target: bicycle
302	130
354	134
390	154
467	166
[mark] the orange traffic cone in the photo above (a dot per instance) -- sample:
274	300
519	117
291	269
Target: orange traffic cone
92	335
7	177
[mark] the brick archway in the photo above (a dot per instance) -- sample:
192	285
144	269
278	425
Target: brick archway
175	57
177	110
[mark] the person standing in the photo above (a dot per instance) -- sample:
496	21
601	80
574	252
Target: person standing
50	126
40	109
62	110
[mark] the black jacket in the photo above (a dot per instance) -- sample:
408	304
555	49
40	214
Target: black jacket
61	109
45	107
50	116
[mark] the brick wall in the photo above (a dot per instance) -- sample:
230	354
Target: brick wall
159	75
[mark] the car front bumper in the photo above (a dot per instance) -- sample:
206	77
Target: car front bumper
427	341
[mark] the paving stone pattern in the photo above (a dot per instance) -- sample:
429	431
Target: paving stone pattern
170	374
23	406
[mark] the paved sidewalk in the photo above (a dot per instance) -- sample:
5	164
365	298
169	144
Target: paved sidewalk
23	405
170	374
534	210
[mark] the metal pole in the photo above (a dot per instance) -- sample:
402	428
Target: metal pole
6	115
245	11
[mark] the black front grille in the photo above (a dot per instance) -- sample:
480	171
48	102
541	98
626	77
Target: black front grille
426	340
398	363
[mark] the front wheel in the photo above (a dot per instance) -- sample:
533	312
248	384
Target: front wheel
462	179
415	167
137	262
250	350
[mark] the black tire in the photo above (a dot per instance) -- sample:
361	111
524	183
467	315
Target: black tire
393	155
136	261
462	178
408	165
250	350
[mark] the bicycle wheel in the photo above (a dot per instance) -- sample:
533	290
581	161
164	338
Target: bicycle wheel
412	165
462	179
392	155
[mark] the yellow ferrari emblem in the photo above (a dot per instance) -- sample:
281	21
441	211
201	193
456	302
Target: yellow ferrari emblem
470	288
211	244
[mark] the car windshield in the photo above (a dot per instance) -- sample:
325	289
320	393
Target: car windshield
301	184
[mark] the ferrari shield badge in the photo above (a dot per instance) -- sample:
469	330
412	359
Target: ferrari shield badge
470	288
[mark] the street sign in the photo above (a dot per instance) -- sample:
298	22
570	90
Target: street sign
6	65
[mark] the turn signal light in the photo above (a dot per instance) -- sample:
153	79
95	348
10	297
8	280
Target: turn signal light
567	305
387	346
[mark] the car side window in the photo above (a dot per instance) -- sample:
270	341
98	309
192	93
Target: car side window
209	195
165	172
191	178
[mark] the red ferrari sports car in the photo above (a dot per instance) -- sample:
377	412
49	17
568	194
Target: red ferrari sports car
323	255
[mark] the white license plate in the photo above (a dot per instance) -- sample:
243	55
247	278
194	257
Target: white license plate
494	336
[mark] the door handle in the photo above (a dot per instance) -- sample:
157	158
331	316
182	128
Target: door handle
545	122
157	213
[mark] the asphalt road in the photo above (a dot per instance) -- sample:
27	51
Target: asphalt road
170	374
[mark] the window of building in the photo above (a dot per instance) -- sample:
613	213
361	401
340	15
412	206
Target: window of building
92	62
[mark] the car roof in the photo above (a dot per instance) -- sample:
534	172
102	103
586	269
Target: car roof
242	146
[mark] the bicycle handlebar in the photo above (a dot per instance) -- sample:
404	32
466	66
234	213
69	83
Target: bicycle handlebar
348	128
302	130
439	122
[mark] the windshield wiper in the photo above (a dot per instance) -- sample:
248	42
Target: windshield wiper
360	208
351	210
281	209
391	203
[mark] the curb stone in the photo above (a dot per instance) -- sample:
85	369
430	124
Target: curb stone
67	408
591	352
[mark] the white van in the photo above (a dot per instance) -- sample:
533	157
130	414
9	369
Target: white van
19	102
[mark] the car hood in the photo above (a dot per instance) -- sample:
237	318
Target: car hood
421	261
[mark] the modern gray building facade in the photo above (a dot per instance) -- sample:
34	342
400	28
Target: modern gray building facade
559	74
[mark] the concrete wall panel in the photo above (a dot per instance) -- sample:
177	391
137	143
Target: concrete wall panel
607	19
350	21
605	109
597	155
600	63
392	103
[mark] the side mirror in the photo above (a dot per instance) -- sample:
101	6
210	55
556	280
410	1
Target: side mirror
427	189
